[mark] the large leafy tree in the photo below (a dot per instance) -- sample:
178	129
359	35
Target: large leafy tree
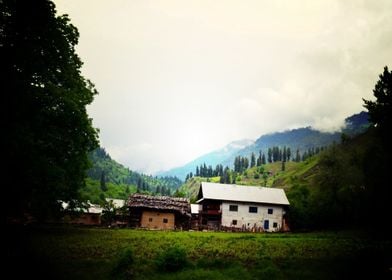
49	132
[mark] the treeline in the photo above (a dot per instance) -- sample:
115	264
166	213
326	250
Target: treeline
351	186
241	164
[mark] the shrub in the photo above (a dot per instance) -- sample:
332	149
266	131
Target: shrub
173	259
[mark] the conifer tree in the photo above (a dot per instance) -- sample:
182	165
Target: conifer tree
252	160
103	186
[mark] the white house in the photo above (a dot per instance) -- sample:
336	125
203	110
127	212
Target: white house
243	207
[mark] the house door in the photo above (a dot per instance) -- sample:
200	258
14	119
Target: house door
266	224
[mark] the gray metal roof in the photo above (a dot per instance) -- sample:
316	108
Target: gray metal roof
243	193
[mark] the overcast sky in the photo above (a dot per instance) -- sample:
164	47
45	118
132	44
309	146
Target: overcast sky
177	79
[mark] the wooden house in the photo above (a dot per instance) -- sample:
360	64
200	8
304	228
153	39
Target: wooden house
159	212
247	208
89	215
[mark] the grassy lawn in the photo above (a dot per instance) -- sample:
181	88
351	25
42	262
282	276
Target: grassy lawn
60	252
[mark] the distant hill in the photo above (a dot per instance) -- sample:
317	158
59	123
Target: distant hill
118	174
295	172
356	123
120	180
213	158
301	138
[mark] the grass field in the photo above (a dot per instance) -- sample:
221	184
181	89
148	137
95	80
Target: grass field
60	252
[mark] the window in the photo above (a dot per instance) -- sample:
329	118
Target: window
275	225
234	222
270	211
252	209
150	219
233	208
165	221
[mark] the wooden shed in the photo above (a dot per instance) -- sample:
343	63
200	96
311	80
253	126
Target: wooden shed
159	212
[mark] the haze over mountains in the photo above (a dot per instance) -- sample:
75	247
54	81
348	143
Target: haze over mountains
301	138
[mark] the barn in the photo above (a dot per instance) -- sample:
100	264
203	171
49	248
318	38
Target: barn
158	212
245	208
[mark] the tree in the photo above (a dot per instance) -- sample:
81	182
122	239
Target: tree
265	178
49	134
139	185
297	156
263	159
377	168
380	111
269	155
283	165
252	160
288	154
258	161
104	188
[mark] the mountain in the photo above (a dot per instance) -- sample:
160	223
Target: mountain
356	124
301	138
120	181
213	158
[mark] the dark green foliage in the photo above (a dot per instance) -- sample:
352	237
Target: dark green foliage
104	188
351	182
123	267
299	210
117	174
172	259
356	124
108	212
252	160
241	164
380	111
93	192
49	133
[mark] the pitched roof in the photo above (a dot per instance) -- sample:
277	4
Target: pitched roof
118	203
89	208
242	193
178	204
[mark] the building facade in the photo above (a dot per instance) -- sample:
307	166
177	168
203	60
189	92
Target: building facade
159	212
242	207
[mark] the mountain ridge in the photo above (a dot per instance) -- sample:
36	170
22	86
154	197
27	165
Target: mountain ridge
303	138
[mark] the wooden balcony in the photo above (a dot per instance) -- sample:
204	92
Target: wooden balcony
211	212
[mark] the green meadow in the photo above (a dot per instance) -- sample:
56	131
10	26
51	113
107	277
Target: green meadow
60	252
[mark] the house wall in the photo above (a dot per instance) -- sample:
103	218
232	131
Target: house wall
84	219
250	220
155	220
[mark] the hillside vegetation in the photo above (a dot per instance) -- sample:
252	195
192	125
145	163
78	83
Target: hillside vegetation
295	172
108	178
336	188
301	139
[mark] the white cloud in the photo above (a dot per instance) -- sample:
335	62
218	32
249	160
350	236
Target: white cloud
181	78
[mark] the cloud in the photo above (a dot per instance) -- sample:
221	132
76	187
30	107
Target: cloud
178	79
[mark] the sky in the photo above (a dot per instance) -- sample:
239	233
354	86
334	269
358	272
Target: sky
178	79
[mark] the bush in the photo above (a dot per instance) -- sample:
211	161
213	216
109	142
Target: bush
174	259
